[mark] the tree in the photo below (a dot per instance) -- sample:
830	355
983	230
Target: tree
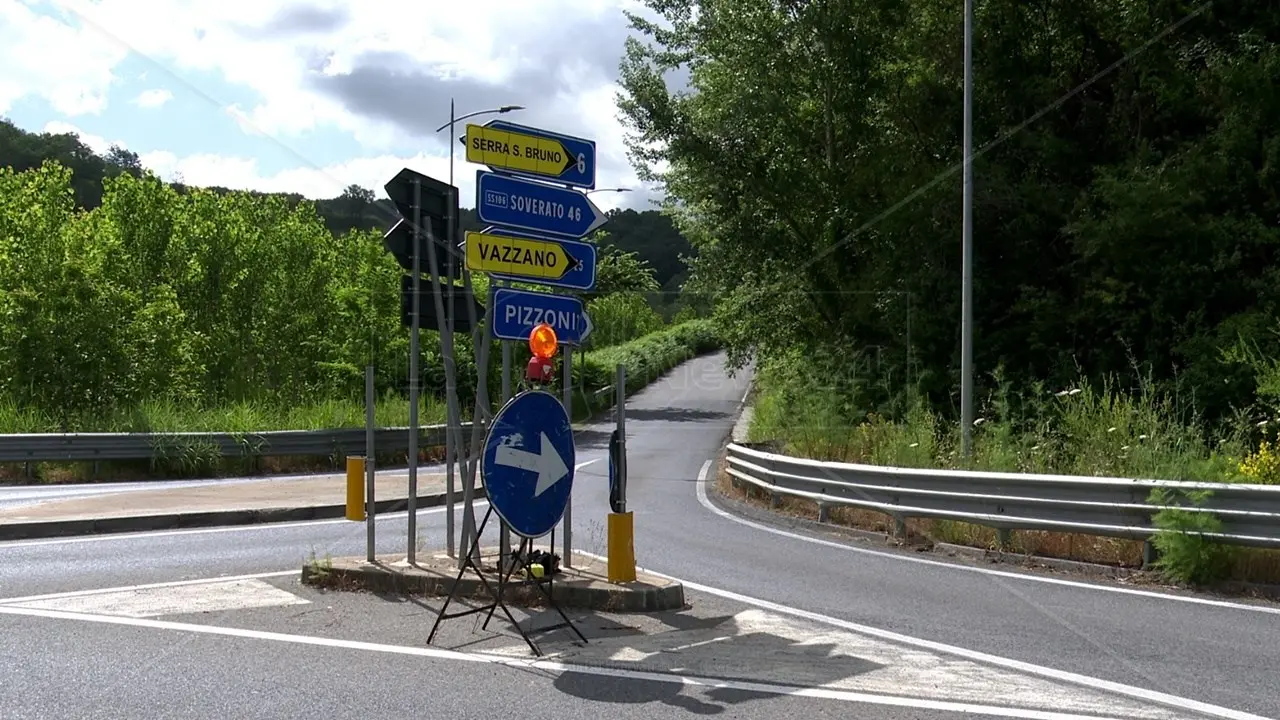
814	166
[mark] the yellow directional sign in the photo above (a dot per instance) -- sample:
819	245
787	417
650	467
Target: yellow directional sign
516	256
511	150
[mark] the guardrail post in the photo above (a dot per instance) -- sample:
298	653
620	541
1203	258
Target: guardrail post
1003	538
1149	554
900	527
824	512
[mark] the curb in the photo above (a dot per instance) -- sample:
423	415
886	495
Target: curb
38	529
569	589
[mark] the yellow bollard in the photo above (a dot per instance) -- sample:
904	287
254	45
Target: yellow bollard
355	487
622	549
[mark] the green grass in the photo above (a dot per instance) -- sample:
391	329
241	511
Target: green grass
1106	431
646	359
1083	430
162	416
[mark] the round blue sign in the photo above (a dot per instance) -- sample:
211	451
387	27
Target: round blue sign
528	461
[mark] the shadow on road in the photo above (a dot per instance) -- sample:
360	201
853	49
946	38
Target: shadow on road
715	648
674	415
590	440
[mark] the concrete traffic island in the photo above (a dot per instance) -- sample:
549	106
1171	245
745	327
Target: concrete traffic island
584	586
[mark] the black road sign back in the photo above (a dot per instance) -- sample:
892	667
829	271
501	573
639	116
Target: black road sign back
427	305
436	195
396	241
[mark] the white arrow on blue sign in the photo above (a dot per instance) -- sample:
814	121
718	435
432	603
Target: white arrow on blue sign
516	312
534	206
528	462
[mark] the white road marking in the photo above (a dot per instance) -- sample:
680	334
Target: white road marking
1048	672
561	667
6	607
1150	695
774	648
147	586
240	594
706	503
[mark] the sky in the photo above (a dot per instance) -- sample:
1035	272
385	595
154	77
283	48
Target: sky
310	96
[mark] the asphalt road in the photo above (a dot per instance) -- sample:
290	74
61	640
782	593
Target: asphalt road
1219	654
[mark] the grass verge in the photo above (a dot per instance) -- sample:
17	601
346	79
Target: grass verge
646	359
1083	430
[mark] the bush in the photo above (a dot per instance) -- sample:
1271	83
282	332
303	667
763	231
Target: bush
1186	555
621	317
1262	466
819	407
164	308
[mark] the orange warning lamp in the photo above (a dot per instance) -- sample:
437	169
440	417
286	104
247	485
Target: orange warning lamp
542	341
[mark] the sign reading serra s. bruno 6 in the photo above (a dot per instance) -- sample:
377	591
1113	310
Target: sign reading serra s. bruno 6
531	152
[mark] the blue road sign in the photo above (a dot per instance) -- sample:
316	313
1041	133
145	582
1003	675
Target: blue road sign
528	461
517	312
581	170
579	277
527	205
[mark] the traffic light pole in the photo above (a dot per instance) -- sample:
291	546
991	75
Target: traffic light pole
453	432
480	418
415	323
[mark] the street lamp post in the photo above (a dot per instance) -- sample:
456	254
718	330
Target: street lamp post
453	443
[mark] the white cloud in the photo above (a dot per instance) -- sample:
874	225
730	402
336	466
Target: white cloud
153	98
45	58
96	143
324	182
73	65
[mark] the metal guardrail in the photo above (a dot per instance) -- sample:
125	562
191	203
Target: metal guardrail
1102	506
59	447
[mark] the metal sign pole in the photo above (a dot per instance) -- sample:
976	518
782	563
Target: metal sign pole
415	246
567	559
504	532
481	415
451	455
369	453
446	335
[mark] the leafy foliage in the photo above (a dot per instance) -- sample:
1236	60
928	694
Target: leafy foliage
1125	197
